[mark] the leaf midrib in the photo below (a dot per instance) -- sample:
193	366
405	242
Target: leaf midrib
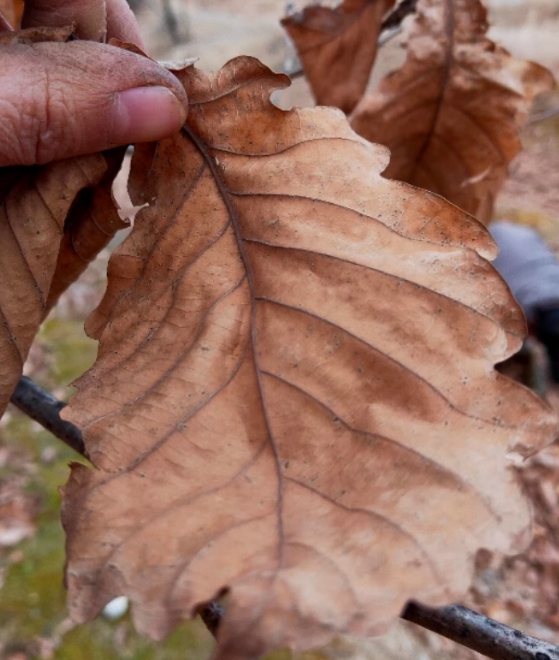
449	25
223	191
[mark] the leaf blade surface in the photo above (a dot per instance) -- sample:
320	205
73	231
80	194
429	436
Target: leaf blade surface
50	230
35	202
451	115
337	48
263	416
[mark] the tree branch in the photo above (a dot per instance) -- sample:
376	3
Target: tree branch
461	625
545	114
44	408
395	18
480	633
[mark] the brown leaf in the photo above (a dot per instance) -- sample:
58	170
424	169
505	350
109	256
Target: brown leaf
90	226
89	16
294	397
337	48
11	11
36	35
34	204
451	115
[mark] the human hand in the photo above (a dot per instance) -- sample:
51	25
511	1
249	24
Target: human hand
65	99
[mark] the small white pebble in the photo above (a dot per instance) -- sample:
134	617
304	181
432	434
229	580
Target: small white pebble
116	608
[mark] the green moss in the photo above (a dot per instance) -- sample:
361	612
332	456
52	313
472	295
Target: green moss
71	351
102	640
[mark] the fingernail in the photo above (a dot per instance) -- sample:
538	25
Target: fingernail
146	114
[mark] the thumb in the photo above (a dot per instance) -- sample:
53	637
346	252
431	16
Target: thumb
65	99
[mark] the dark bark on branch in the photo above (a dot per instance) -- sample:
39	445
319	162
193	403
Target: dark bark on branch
395	18
461	625
211	615
480	633
44	408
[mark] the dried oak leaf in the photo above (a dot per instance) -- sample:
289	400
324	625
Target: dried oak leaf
337	48
94	219
34	204
88	16
294	398
10	14
451	115
36	35
90	226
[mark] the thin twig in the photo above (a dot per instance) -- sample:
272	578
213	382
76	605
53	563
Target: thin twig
545	114
461	625
395	18
44	408
480	633
212	615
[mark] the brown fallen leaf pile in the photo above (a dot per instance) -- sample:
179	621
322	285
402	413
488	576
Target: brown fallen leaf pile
294	405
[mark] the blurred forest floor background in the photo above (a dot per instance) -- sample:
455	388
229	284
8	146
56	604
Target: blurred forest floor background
521	591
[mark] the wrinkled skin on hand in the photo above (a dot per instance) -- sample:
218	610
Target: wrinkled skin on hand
65	99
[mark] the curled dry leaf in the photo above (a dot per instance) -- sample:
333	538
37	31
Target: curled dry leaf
90	226
452	113
36	35
88	16
5	24
7	14
10	14
34	204
337	48
294	398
